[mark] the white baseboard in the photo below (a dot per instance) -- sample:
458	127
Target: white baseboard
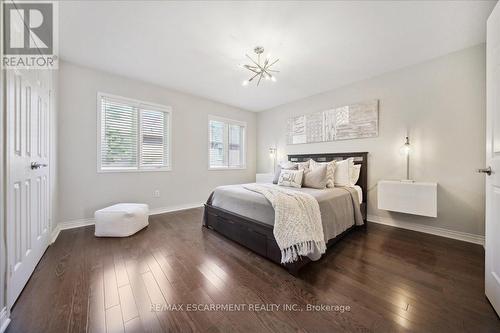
55	233
71	224
4	320
463	236
164	210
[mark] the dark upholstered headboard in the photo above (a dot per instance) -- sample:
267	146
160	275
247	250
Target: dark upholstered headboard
359	158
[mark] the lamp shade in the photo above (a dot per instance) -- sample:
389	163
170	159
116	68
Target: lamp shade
405	148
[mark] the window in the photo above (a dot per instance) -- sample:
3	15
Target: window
226	143
133	135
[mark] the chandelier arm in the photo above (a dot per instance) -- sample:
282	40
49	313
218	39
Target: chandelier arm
254	70
252	60
253	77
274	62
267	72
272	70
260	78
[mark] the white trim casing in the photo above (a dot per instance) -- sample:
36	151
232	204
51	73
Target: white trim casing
4	319
228	168
463	236
138	104
4	312
71	224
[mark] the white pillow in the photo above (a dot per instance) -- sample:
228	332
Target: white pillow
304	165
330	171
355	174
285	165
343	172
292	178
288	165
316	178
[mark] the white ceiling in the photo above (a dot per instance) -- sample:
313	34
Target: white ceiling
196	47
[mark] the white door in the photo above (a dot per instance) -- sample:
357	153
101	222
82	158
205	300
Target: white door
492	245
27	190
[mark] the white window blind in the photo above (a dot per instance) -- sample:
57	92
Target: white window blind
154	145
119	134
133	135
226	139
217	150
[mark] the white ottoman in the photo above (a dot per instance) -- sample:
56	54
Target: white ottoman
121	220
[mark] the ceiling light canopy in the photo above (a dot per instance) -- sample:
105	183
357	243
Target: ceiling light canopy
260	70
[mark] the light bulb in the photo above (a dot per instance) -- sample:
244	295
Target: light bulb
273	79
405	150
245	83
267	77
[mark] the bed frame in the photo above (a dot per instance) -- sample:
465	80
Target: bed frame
258	236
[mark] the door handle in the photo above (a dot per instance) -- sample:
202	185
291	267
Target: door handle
36	165
485	170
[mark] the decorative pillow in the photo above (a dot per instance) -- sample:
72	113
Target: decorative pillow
292	178
304	165
355	174
287	166
316	177
330	171
343	172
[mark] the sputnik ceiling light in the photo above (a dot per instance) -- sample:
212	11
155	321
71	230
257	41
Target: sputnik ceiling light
260	71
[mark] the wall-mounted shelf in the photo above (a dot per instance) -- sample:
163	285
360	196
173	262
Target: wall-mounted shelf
418	198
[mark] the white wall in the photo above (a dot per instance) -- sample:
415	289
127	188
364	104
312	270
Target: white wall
442	105
82	190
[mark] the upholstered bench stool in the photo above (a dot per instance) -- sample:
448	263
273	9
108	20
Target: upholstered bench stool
121	220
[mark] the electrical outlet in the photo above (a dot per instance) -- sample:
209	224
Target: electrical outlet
156	194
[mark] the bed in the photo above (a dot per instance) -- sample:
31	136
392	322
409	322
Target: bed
247	217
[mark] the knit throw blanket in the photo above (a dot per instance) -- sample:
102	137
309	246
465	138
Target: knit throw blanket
298	229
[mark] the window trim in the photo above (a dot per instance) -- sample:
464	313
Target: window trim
227	121
141	105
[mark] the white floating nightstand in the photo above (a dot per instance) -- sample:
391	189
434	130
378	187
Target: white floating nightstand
264	178
416	198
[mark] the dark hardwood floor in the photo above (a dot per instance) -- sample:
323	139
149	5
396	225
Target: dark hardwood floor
391	279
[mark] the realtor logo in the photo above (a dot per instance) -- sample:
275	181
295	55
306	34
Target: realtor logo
29	35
